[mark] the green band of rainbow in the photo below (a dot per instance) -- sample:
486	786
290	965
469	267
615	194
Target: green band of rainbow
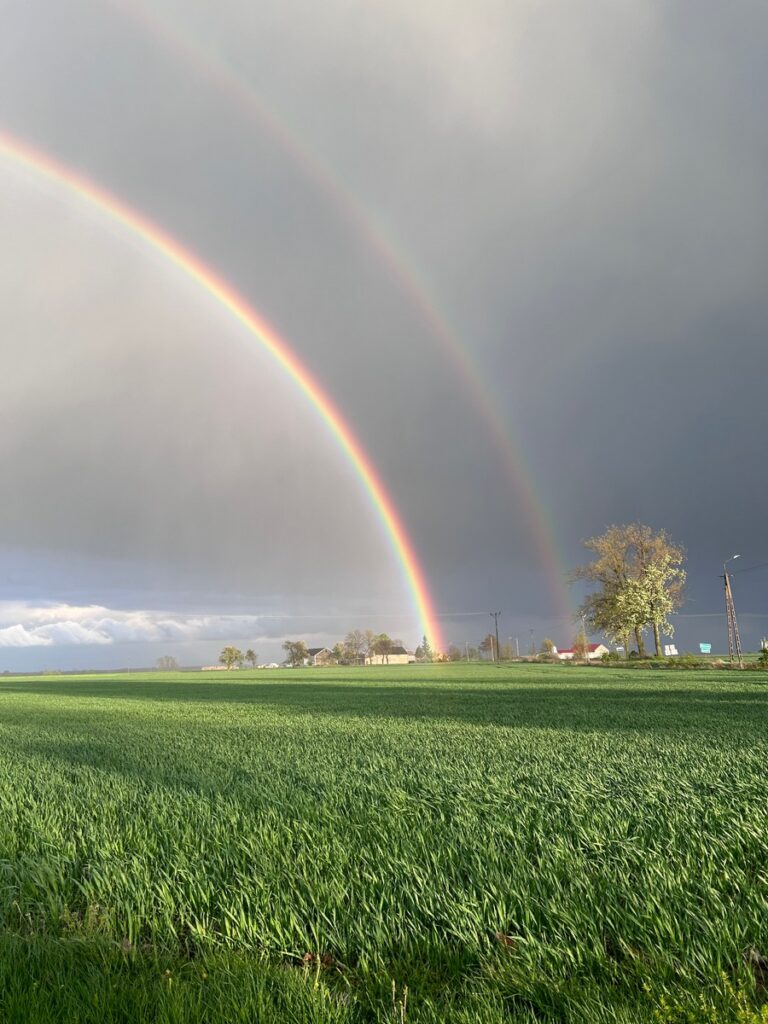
22	154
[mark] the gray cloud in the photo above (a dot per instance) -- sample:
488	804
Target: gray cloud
579	185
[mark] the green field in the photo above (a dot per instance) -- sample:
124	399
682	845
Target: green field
421	843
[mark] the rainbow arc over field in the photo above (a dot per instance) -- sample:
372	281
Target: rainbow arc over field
20	153
176	37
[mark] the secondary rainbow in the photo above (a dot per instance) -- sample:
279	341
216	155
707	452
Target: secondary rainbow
21	153
401	269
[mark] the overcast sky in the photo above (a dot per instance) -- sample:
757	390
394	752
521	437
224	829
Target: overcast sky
577	190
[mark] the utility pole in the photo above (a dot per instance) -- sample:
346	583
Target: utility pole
495	617
466	648
734	640
584	635
517	647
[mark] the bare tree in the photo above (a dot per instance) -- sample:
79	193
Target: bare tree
488	646
355	646
369	643
581	646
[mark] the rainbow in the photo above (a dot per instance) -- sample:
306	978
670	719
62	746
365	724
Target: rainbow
41	164
402	271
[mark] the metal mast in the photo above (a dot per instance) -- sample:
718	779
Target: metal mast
734	640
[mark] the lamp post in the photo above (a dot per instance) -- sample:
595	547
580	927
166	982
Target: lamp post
731	559
734	640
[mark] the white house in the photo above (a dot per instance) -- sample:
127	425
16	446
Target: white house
397	656
595	652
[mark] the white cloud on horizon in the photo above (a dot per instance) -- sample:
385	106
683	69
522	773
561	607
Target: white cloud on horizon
27	625
20	636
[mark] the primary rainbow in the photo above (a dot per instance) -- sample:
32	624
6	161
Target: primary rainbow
42	164
401	269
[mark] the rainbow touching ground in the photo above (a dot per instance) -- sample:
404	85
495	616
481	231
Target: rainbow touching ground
24	155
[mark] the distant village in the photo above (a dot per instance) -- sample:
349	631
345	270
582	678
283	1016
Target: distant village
369	648
359	647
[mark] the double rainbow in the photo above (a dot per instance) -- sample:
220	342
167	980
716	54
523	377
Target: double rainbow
200	54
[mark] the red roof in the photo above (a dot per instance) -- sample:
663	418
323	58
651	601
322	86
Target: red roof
569	650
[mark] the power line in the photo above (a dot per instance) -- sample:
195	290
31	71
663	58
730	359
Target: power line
750	568
716	615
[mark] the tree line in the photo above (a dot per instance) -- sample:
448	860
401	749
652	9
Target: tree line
357	647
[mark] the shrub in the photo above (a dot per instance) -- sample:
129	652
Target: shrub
686	661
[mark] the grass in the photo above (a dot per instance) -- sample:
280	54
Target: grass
422	844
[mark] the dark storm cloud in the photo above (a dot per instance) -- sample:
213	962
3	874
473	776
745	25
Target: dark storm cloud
581	187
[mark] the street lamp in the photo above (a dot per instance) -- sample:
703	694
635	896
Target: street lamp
731	559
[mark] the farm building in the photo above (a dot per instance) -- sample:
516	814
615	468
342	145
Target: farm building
320	656
397	656
596	651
